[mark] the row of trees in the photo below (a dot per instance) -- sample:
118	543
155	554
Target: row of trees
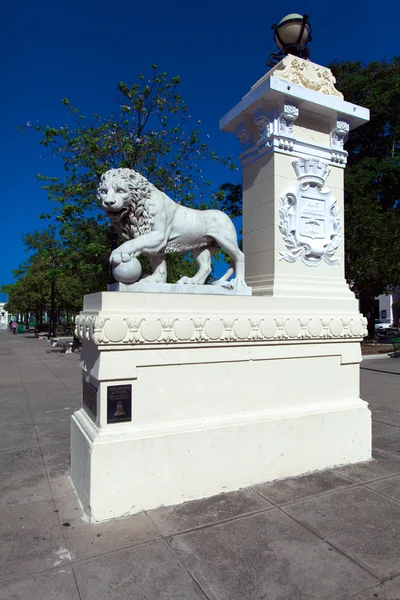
153	133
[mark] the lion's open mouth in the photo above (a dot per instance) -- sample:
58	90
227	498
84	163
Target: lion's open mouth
117	213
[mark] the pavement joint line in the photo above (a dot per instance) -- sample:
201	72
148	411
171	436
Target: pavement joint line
379	371
381	493
208	525
78	561
76	583
371	587
383	423
42	456
353	484
381	581
327	541
369	480
192	577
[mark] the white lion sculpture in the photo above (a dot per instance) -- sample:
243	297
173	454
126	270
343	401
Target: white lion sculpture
155	225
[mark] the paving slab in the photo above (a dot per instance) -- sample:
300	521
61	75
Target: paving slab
295	488
45	389
389	365
390	415
31	540
11	378
267	556
85	539
15	436
52	412
382	464
191	515
61	487
23	477
388	441
380	428
146	572
390	486
56	430
56	457
58	584
14	410
54	416
358	521
36	375
11	391
389	590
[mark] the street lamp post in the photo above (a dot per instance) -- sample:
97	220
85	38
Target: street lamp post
291	35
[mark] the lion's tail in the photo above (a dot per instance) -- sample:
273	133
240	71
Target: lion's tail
224	278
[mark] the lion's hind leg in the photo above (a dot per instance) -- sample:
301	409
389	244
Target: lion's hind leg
229	245
203	258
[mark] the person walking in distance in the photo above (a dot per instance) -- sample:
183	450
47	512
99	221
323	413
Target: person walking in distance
14	327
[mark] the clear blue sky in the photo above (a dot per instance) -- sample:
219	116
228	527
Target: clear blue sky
53	49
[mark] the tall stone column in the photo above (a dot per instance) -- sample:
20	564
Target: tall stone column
292	126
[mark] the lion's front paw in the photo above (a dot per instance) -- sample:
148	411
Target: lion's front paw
124	253
115	258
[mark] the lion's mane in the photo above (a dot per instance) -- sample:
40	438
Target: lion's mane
138	217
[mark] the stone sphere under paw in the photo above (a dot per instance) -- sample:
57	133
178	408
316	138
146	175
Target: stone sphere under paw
128	272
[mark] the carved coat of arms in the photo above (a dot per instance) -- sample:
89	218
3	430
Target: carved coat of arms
309	220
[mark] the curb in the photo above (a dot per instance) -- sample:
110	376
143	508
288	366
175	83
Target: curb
375	356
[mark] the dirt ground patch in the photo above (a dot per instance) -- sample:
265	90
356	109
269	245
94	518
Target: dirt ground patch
376	348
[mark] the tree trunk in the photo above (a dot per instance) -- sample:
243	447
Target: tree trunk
367	304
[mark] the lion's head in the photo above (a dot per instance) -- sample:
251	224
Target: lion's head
125	195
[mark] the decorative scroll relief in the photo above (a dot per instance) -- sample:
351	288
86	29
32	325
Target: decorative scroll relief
244	136
287	118
308	74
339	134
309	220
262	123
185	329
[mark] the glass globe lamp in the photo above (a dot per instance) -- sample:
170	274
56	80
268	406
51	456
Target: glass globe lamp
291	35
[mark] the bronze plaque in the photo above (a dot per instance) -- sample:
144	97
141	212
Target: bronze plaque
89	399
119	403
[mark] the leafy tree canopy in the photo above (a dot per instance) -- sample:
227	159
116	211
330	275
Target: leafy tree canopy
152	132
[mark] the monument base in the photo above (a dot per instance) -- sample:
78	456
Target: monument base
186	397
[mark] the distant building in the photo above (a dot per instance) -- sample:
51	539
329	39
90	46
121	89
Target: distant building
4	319
384	307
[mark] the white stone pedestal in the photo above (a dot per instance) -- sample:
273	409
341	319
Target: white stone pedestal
188	395
225	393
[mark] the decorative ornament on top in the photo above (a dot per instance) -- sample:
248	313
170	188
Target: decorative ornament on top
291	35
309	221
308	75
154	225
310	171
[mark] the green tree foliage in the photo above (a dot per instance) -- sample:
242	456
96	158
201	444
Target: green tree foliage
230	198
372	179
152	132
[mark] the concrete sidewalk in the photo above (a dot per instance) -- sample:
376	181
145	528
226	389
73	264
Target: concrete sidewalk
326	536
